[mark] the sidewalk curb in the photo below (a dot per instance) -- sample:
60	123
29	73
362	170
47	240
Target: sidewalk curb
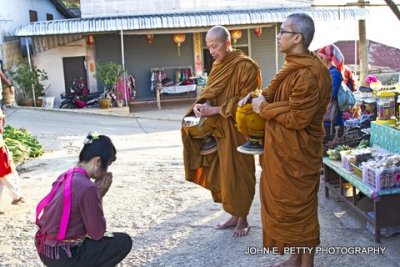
97	113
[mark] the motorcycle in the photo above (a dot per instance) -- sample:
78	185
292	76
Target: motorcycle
78	100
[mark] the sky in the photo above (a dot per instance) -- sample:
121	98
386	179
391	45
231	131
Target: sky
382	26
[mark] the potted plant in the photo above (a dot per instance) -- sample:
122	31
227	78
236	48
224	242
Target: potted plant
29	83
119	101
108	73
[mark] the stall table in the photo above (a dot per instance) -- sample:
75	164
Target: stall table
175	89
385	203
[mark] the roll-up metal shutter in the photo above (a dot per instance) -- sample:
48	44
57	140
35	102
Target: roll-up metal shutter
141	56
263	52
107	48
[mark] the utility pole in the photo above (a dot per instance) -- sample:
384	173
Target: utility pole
362	47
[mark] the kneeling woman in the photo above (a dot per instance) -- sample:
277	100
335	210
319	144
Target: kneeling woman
72	227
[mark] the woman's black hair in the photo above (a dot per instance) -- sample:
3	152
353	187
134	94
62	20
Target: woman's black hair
98	146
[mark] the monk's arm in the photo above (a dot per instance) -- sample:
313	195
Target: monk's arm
296	113
247	79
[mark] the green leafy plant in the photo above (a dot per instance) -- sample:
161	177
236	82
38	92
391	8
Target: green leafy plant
26	77
108	73
71	3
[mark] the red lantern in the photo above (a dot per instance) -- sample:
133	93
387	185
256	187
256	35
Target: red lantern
258	32
178	39
236	35
90	39
149	38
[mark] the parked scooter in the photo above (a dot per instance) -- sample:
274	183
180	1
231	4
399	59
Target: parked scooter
77	100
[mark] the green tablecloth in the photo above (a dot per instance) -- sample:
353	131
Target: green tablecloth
385	137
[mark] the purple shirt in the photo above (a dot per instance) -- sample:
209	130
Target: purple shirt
86	217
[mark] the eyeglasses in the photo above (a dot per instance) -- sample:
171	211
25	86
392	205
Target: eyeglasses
281	32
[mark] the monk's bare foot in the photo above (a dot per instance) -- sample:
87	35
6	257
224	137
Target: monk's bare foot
228	224
307	260
293	261
242	227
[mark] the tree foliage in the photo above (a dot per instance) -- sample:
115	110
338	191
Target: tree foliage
108	73
72	3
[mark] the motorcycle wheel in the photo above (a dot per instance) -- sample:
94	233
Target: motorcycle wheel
69	105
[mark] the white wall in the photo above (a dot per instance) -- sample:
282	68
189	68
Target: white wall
95	8
52	62
14	13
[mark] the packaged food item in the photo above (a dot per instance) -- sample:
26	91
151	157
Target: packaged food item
386	108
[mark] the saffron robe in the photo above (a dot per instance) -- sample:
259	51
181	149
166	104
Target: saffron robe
297	100
228	174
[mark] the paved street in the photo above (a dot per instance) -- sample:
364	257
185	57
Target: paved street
170	220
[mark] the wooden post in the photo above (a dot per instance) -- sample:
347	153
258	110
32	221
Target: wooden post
363	48
363	52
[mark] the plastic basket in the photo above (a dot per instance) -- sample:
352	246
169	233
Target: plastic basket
382	178
347	159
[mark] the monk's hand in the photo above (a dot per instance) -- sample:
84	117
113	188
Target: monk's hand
244	100
207	110
256	103
104	183
196	110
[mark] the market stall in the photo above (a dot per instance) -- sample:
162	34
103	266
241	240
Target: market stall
371	174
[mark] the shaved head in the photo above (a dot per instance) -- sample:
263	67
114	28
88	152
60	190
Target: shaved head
219	32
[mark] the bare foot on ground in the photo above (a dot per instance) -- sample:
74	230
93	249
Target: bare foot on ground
293	261
242	227
232	222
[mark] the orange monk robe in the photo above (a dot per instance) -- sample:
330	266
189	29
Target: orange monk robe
228	174
297	99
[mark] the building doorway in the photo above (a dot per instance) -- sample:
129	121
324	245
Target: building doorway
74	69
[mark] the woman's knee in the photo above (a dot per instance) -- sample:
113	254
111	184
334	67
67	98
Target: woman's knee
125	240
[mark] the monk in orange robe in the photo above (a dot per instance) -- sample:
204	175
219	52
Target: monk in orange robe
228	174
293	106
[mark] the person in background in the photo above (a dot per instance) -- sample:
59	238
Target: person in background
7	83
72	227
293	106
333	59
348	78
373	82
228	174
8	174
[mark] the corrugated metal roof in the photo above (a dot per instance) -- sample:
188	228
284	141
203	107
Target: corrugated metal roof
378	54
184	20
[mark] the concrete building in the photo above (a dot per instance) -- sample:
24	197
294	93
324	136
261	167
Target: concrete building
13	14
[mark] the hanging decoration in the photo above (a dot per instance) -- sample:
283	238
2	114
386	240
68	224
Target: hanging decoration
258	32
149	38
178	39
236	35
90	39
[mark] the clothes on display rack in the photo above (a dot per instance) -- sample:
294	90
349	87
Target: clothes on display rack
160	79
